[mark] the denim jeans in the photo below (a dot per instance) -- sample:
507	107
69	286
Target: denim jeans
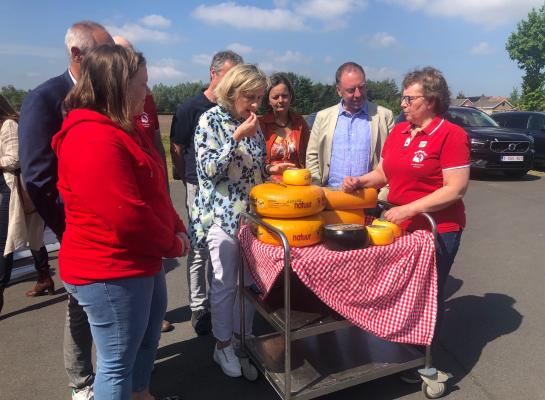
125	316
446	247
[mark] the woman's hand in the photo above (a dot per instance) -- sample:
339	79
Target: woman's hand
350	184
399	214
185	243
247	129
279	168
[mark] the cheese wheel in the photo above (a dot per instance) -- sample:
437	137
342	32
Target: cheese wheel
380	235
298	177
336	199
277	200
394	227
343	217
300	232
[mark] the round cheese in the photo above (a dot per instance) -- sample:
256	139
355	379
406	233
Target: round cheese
340	237
278	200
343	217
394	227
380	235
300	232
336	199
298	177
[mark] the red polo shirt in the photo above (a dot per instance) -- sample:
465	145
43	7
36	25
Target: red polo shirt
148	120
414	168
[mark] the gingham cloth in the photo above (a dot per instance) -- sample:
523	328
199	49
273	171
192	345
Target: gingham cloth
390	291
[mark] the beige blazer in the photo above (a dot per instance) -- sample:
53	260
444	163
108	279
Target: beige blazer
321	139
23	230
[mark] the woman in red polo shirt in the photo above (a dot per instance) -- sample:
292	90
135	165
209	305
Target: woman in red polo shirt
425	160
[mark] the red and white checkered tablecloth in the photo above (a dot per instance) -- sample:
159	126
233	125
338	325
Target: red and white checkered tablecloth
390	291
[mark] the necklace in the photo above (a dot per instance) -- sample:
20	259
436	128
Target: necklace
281	125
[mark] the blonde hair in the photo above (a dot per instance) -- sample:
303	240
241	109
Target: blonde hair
104	83
240	78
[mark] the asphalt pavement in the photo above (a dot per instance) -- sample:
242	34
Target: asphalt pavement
493	342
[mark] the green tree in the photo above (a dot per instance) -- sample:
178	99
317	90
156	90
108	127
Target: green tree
526	46
514	97
13	96
460	95
385	93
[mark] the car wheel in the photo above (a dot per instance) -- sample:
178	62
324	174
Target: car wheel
516	174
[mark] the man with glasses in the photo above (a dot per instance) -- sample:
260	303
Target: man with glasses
347	138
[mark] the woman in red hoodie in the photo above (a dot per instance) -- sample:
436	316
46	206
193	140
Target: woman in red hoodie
120	220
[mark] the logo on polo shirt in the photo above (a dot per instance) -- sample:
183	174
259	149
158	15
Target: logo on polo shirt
418	157
144	119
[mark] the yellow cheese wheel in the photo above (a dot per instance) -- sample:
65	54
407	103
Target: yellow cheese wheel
380	235
343	217
394	227
278	200
336	199
300	232
298	177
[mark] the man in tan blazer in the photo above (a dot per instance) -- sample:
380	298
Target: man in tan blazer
347	138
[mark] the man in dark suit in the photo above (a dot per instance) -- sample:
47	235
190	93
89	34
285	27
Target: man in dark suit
41	117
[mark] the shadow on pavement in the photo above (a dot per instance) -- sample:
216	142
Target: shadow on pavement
471	322
495	176
52	300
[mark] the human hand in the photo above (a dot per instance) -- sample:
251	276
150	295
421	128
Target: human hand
399	214
279	168
185	243
247	129
350	184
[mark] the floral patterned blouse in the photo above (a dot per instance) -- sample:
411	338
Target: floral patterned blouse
226	170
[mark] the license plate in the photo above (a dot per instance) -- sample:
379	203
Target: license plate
512	158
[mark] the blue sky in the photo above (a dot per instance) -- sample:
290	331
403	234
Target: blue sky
463	38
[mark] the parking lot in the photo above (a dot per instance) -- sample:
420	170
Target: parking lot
493	341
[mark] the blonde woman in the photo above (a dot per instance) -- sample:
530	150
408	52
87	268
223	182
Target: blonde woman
230	154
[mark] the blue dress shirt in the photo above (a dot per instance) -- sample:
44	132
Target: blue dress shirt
351	149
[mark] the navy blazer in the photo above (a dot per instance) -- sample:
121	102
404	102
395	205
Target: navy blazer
41	117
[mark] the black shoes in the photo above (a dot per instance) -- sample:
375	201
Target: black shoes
201	322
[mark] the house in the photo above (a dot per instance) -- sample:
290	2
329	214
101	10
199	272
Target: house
491	104
461	103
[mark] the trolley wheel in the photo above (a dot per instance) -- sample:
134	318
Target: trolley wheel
249	371
434	392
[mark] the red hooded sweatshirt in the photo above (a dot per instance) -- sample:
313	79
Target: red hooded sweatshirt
120	220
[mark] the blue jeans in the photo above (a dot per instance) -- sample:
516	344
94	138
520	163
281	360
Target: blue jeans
446	247
125	317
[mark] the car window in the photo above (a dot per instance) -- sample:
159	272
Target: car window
518	121
536	122
469	117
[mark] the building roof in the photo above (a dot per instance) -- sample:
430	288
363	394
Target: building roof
491	102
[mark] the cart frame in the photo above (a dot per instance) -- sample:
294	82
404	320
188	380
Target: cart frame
314	384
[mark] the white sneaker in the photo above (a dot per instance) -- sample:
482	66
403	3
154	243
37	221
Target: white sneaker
228	361
83	394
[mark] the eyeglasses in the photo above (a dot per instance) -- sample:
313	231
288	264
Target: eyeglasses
409	99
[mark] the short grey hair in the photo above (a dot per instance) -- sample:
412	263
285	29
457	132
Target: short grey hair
221	57
80	35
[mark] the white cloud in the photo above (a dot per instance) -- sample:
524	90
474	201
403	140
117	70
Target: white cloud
137	33
490	13
165	70
155	21
327	9
249	17
239	48
273	61
381	73
25	50
482	49
379	40
202	59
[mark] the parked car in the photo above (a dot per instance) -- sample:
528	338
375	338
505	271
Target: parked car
493	148
529	122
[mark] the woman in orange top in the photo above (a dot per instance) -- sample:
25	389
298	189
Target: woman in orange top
286	132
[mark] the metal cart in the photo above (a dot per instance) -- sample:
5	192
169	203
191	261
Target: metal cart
313	354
